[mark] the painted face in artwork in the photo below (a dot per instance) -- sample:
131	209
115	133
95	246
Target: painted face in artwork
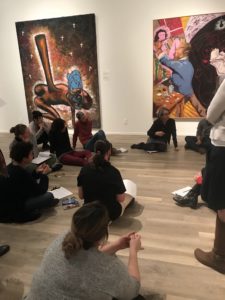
162	36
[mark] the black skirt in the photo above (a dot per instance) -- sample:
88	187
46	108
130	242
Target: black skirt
213	187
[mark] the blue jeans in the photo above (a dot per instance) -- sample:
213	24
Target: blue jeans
98	136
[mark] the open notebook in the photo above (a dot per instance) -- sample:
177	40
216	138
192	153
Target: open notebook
131	188
61	193
42	157
182	192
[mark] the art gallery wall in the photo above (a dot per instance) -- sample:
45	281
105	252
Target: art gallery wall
124	40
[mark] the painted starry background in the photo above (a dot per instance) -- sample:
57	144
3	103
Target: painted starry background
71	45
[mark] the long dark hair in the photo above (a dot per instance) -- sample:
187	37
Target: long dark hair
18	130
57	125
89	226
101	148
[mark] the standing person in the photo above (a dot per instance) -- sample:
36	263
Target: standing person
83	131
40	129
27	193
160	133
213	182
80	265
201	142
60	145
101	181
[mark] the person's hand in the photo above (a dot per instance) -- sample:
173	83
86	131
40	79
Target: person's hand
135	242
46	169
160	133
43	169
124	241
198	142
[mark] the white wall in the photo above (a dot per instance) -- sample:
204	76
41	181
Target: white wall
124	37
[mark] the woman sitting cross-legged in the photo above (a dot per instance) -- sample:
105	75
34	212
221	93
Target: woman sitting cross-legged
27	193
81	265
22	134
99	180
60	145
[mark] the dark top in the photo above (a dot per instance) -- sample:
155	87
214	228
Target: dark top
102	185
204	128
169	128
59	142
6	198
25	185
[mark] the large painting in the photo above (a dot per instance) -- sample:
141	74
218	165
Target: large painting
189	63
59	64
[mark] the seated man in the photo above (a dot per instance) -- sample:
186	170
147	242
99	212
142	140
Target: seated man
100	181
83	131
40	129
201	142
160	133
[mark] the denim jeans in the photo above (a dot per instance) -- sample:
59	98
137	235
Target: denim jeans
98	136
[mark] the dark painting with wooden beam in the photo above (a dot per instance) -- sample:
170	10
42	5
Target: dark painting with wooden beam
59	65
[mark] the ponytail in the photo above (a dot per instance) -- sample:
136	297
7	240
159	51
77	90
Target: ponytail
18	130
71	244
89	226
101	148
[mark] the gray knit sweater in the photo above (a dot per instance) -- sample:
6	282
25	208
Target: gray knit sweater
88	275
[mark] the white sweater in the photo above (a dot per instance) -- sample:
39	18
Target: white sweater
216	116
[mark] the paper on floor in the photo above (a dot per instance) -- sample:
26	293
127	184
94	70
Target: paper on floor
131	188
182	192
61	193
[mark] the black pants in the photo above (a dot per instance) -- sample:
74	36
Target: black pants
32	207
192	140
43	139
151	146
40	202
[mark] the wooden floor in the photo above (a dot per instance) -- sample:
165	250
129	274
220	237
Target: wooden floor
169	233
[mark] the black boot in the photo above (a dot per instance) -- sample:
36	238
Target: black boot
188	201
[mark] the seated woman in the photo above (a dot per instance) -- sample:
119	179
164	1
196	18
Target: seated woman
160	133
99	180
22	133
81	265
60	145
27	193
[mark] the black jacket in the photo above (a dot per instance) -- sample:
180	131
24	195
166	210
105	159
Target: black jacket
169	128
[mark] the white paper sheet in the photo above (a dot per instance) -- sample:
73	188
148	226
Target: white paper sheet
61	193
182	192
42	156
131	188
123	150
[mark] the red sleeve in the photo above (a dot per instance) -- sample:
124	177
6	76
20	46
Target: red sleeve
75	134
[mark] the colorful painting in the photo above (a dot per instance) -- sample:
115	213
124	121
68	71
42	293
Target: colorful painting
59	64
189	63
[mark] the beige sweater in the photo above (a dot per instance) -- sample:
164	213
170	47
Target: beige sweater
216	116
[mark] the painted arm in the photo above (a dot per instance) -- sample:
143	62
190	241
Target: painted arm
172	64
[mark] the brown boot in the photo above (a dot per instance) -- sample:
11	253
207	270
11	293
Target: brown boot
215	259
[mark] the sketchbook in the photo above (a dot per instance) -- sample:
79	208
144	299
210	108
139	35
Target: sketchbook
61	193
131	188
42	157
182	192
